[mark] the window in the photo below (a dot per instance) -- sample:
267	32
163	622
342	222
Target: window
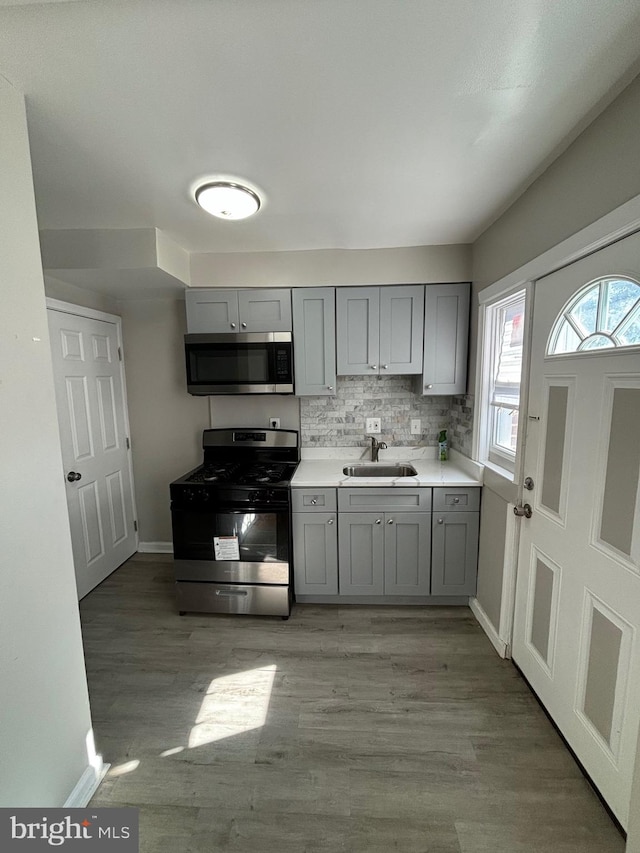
603	315
503	340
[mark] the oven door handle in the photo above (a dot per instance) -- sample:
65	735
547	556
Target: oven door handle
229	593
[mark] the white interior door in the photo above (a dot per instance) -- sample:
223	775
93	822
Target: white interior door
92	418
577	611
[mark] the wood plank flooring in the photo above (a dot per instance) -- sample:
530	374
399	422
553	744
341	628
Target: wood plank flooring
356	729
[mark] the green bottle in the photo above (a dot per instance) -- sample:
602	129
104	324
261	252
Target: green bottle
443	450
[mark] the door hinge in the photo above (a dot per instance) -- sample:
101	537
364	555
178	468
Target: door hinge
128	443
135	526
119	354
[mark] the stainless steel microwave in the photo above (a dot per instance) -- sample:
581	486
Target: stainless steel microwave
251	363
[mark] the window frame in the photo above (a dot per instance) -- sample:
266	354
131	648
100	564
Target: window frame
508	465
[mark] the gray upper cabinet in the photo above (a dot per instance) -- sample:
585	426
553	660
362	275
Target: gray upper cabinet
314	338
446	332
379	330
216	311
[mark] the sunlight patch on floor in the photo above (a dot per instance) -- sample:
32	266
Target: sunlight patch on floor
233	704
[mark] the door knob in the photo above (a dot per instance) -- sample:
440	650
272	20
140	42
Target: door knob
73	476
528	483
525	510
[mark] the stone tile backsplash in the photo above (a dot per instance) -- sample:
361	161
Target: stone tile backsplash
340	421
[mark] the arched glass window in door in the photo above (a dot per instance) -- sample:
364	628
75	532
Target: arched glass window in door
602	315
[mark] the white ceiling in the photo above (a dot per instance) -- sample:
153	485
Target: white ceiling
364	123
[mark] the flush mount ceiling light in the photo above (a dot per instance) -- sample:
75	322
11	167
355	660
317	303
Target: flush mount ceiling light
227	200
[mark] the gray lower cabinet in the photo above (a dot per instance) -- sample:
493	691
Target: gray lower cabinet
446	332
214	311
361	553
384	537
315	553
314	338
407	546
384	553
454	552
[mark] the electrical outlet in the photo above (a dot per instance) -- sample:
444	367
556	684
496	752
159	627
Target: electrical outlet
373	426
274	423
416	426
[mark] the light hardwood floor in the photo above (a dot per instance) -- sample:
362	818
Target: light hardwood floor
358	729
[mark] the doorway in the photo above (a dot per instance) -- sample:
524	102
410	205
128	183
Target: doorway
94	436
577	613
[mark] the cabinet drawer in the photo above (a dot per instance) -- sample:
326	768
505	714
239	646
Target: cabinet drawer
384	500
313	500
462	500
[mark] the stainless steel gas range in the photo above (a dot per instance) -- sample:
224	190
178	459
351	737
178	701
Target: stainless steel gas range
231	520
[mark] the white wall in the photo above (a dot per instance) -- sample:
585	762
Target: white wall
166	422
55	288
319	267
44	713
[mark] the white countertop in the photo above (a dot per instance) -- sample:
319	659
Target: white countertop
323	467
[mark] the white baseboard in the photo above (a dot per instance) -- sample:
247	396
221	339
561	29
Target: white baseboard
155	547
487	626
87	785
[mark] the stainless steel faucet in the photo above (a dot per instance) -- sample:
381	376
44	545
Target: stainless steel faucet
376	447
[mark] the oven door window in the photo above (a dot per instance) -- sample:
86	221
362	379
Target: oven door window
261	536
231	364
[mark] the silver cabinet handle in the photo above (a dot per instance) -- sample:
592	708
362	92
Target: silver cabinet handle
329	387
428	386
441	521
229	593
374	367
314	501
390	521
244	325
385	366
378	521
330	521
456	500
233	325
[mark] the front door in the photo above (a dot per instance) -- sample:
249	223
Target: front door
577	616
92	420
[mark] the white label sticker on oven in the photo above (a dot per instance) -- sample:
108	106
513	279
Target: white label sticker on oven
226	548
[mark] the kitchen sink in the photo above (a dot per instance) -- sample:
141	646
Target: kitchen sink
376	470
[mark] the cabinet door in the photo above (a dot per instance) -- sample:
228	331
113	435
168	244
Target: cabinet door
212	311
358	330
361	553
407	553
315	553
265	310
401	329
454	553
446	332
314	341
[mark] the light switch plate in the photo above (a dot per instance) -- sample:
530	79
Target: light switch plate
416	426
374	426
